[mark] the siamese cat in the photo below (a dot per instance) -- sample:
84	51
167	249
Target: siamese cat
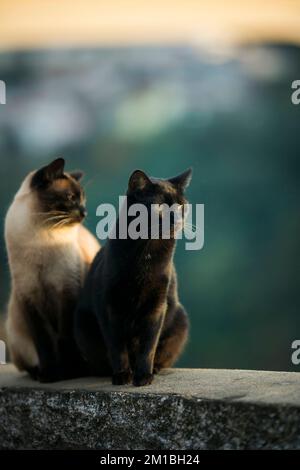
49	253
129	322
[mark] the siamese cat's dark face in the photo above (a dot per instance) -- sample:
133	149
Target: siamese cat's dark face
59	195
153	192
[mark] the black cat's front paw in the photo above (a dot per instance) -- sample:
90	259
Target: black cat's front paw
122	378
140	380
50	374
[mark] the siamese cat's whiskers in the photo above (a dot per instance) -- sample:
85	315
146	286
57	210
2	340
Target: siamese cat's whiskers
56	217
49	219
61	223
66	222
50	213
45	219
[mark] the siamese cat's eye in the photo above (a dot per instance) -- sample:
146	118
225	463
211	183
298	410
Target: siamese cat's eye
71	197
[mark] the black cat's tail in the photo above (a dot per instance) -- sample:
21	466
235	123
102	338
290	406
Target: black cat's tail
172	341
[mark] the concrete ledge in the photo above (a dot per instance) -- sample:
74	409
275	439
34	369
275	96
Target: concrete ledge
183	409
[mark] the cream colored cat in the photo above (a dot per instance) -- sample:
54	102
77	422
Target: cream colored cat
49	252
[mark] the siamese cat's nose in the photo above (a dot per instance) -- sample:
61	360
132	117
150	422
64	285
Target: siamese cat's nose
82	211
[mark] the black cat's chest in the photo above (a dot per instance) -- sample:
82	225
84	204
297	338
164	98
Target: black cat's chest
146	273
139	290
136	276
133	283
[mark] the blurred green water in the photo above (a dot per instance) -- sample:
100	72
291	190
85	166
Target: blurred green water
162	110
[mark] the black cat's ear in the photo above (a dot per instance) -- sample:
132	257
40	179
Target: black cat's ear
138	180
48	173
77	174
183	180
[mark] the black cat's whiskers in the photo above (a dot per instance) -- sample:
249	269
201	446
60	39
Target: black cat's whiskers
192	227
87	183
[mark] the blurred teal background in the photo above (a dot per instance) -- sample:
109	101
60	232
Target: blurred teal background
163	109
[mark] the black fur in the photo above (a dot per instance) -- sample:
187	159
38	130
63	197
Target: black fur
129	322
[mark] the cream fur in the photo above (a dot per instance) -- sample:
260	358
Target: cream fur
60	256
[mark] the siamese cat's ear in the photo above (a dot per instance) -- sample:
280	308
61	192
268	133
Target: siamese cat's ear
48	173
77	174
138	180
55	169
183	180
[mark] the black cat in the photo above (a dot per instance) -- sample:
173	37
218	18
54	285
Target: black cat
129	322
